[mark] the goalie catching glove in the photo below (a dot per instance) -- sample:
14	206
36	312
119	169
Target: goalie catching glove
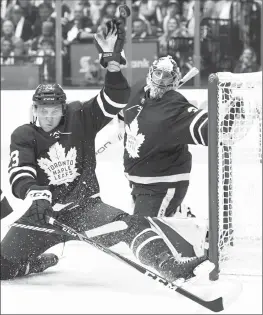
110	42
41	205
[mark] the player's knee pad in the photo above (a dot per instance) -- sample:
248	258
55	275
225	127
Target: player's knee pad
9	270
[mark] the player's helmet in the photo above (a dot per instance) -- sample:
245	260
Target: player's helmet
49	94
164	74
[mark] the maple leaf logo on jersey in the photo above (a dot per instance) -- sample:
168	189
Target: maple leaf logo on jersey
61	167
134	139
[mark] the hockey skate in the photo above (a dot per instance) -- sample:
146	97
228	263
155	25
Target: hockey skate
41	263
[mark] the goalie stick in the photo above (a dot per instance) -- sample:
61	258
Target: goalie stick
189	75
215	305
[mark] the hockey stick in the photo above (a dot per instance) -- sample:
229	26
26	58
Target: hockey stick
189	75
214	305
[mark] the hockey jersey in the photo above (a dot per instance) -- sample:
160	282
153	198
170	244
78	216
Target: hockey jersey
157	134
6	209
64	159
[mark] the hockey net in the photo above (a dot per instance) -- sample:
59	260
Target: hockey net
235	205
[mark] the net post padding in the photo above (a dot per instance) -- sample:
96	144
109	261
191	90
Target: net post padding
235	173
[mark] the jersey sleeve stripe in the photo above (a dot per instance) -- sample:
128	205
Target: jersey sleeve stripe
200	131
111	102
22	168
99	100
19	176
193	123
21	171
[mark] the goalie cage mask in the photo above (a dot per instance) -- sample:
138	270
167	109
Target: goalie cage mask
163	75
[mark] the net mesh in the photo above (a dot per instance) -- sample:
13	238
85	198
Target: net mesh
240	173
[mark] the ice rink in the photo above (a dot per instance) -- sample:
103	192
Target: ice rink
87	281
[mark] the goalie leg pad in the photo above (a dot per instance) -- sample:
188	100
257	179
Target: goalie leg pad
151	250
173	262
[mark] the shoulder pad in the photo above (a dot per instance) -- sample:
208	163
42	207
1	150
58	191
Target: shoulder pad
24	133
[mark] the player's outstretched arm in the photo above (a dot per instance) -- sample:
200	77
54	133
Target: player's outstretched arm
23	176
115	94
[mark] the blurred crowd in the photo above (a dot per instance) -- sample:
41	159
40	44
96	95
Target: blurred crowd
229	31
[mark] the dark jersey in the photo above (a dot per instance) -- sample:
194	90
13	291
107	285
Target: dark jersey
64	159
157	136
5	206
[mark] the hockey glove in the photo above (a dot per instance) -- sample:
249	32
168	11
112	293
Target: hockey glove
110	41
41	205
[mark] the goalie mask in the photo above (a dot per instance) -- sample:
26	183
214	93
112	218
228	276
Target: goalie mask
163	75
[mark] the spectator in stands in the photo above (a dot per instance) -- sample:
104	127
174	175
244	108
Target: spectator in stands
5	7
95	9
188	14
45	10
46	35
20	54
173	11
79	29
172	26
139	29
161	11
65	10
110	10
136	15
30	12
7	54
22	27
247	62
8	31
182	30
147	9
85	6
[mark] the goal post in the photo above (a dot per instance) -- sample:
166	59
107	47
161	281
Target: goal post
235	173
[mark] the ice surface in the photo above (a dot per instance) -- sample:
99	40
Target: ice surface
87	281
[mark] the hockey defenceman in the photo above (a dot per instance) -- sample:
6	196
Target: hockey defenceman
160	123
54	165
